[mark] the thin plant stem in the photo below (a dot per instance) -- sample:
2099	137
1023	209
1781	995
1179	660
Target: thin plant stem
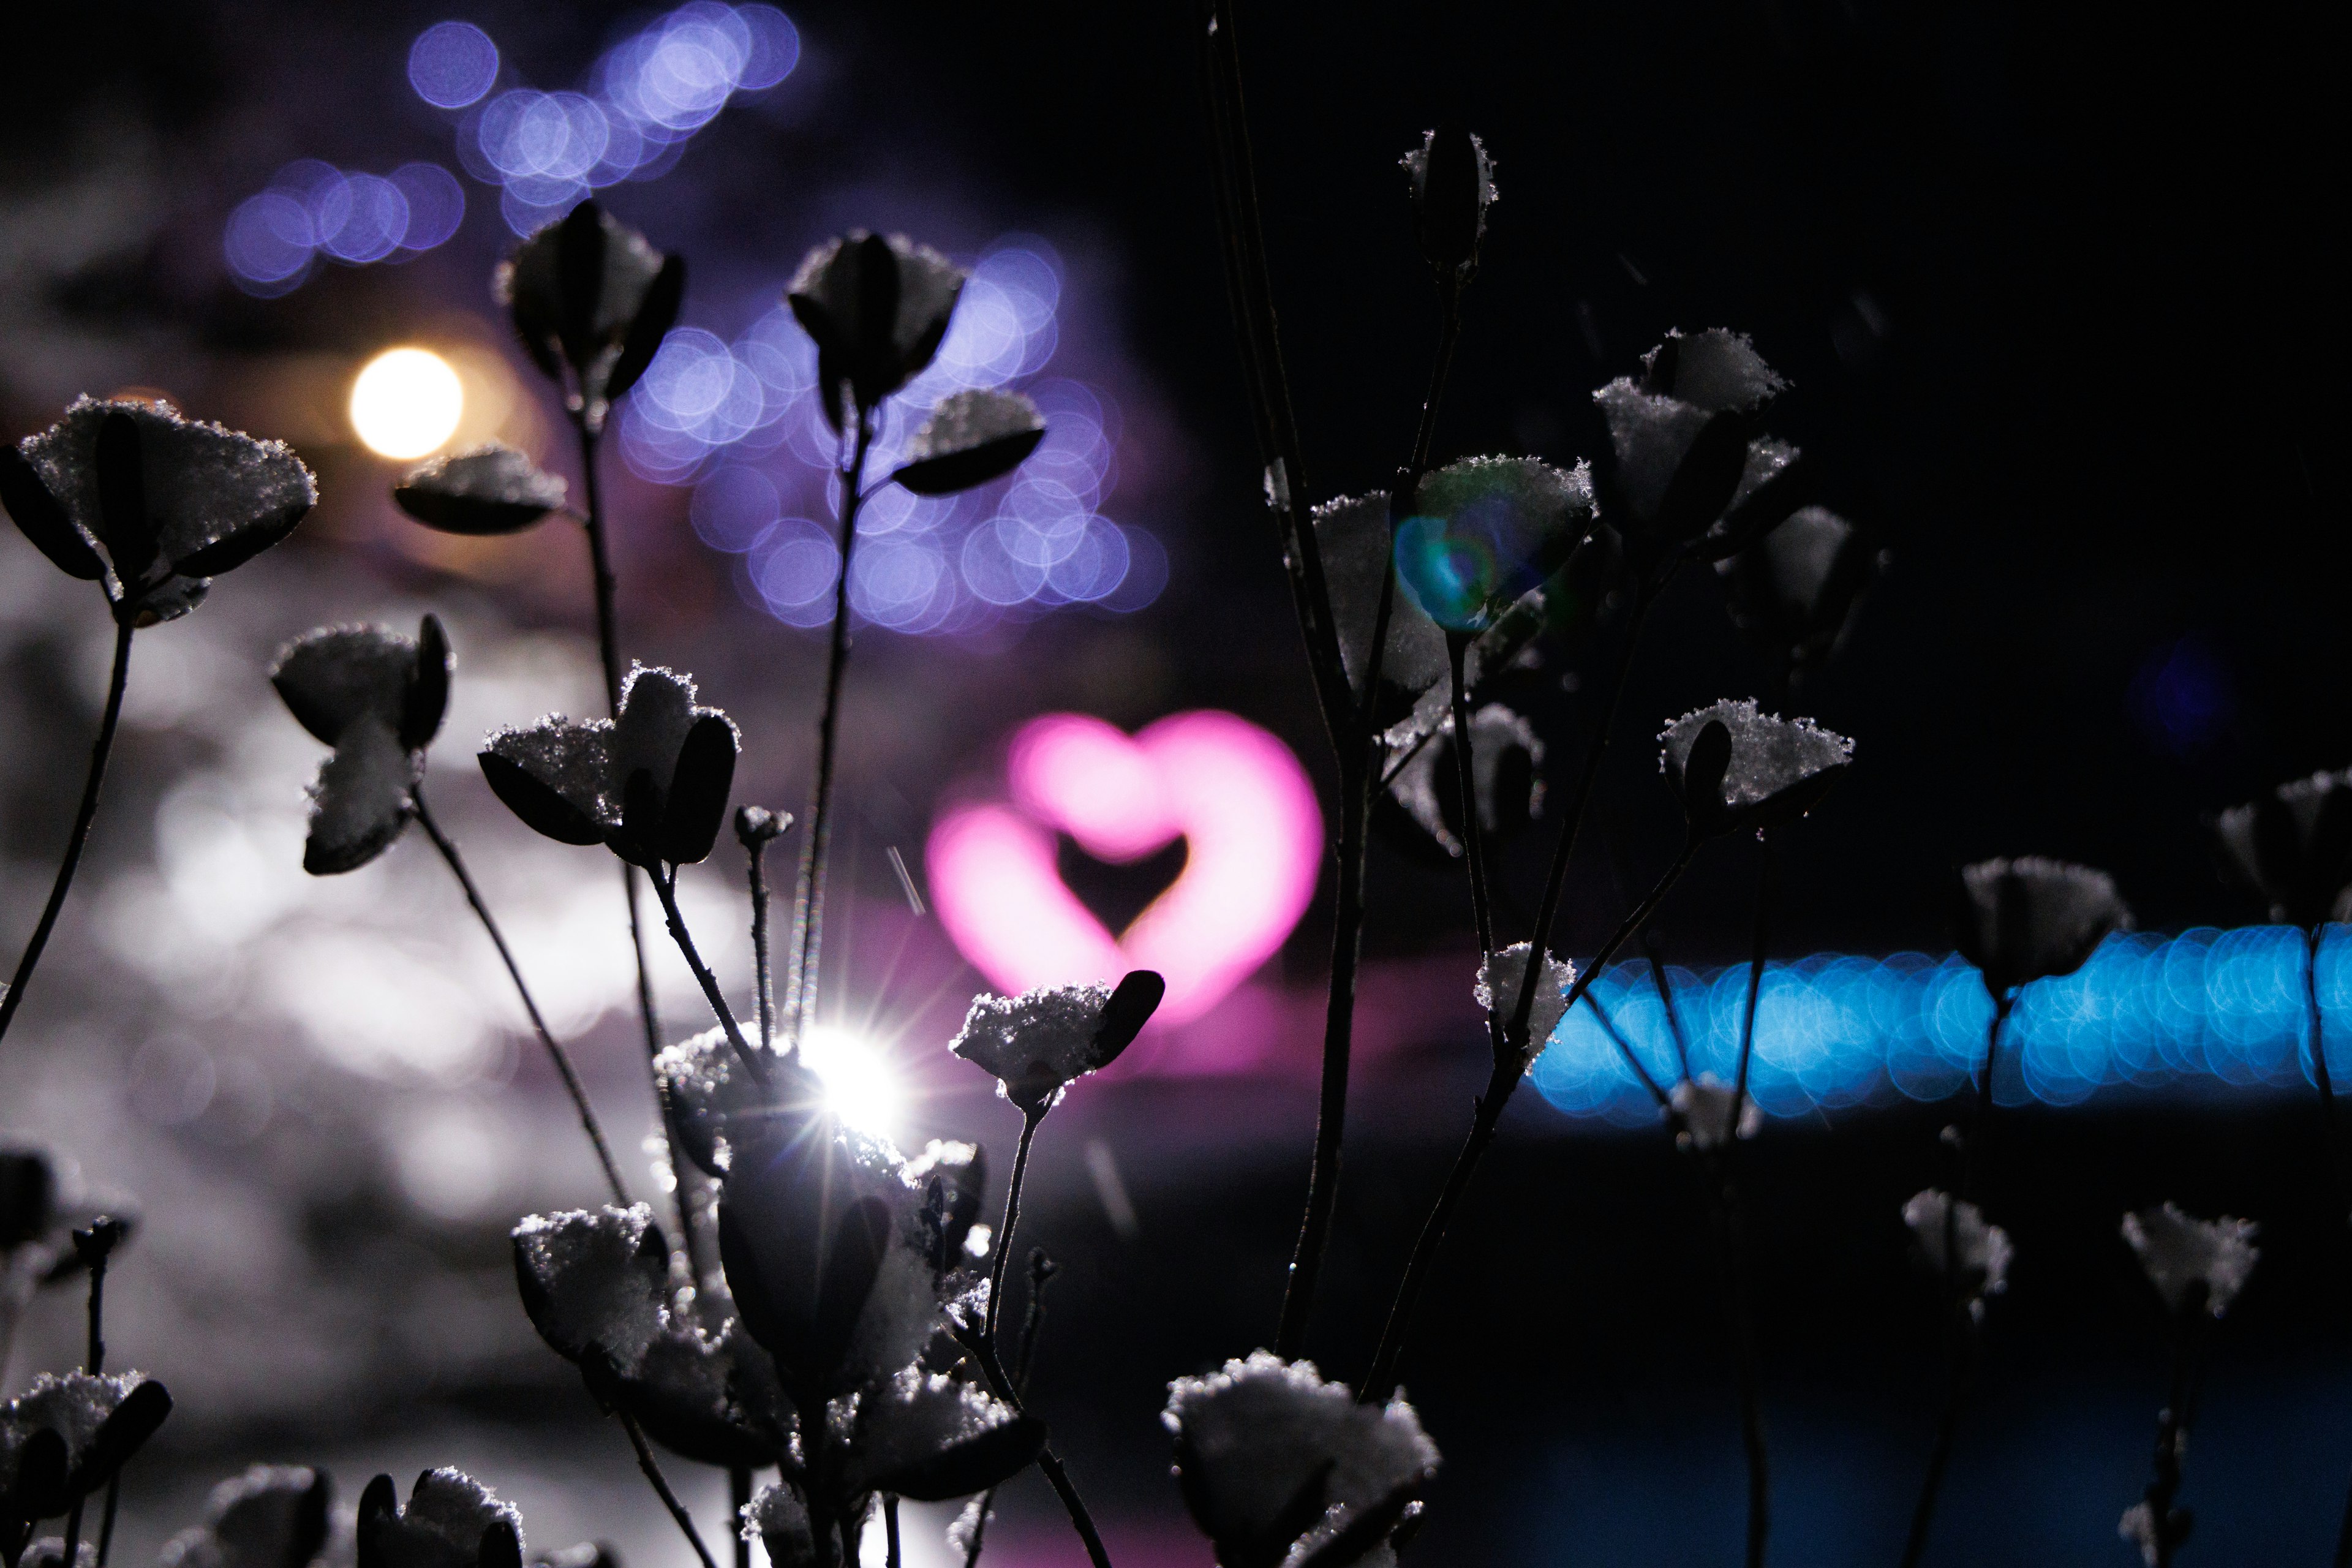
1961	1356
71	1556
608	654
1449	333
1764	890
757	854
1248	281
94	1364
1041	1270
2174	1420
2318	934
665	890
1485	1116
80	836
1740	1320
1029	1121
739	1497
1972	1150
1738	1309
1548	911
653	1473
106	1517
555	1051
890	1525
808	913
1482	908
1625	1051
991	1370
1666	991
1359	749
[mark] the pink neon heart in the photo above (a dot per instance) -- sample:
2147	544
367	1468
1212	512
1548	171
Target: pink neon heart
1246	809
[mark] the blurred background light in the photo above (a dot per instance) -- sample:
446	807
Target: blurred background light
406	403
451	64
2147	1012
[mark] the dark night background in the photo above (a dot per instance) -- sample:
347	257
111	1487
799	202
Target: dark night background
2050	284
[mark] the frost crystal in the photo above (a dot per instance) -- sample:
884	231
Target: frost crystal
927	1435
448	1514
973	417
1036	1043
1779	768
2031	919
1499	979
1704	1106
377	698
209	500
1263	1437
1649	435
2138	1526
1978	1261
570	778
2192	1260
489	490
595	1280
1715	370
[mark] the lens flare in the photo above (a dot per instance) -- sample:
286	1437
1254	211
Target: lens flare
406	403
860	1088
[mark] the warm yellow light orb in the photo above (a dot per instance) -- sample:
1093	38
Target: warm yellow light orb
406	403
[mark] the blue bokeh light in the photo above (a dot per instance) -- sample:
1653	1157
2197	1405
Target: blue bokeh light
710	413
313	210
451	64
2205	1007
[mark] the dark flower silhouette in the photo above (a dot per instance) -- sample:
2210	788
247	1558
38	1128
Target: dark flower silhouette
2293	848
2196	1265
651	787
170	502
1733	765
1498	991
63	1438
2031	919
970	438
1273	1460
1795	589
1483	532
827	1253
1037	1044
588	294
450	1520
1681	450
272	1516
1453	182
596	1286
1507	775
377	698
878	308
488	490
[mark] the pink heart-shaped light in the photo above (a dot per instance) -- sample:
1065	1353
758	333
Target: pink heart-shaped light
1246	809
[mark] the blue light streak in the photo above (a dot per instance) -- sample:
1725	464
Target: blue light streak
2207	1008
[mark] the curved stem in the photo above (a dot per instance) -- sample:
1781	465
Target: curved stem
1960	1356
608	654
983	1353
555	1052
14	996
665	890
808	914
757	852
1548	911
1740	1320
1755	985
1485	1117
653	1473
1625	1051
1029	1121
1249	284
1973	1151
1449	332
